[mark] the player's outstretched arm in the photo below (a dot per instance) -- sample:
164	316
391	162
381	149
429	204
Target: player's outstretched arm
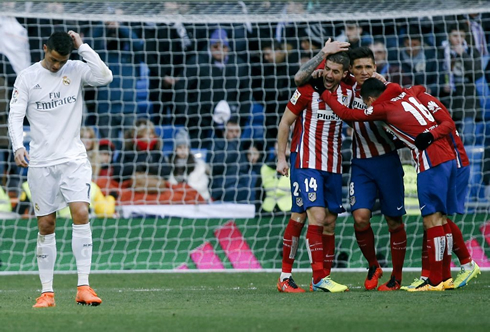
304	73
346	113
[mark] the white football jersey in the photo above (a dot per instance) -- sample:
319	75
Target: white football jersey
52	102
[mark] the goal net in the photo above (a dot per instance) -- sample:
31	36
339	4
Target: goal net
182	141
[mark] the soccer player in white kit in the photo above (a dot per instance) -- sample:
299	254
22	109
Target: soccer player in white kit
49	94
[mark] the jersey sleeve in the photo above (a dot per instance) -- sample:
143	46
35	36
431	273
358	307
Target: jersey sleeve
445	124
18	108
298	101
94	72
349	114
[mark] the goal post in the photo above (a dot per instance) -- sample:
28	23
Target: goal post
157	52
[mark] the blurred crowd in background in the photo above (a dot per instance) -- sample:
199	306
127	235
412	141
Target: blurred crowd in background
192	113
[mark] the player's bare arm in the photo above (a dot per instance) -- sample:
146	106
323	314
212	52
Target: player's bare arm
77	40
287	120
22	157
305	72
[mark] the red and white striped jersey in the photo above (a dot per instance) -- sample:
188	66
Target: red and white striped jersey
441	114
406	117
369	139
320	135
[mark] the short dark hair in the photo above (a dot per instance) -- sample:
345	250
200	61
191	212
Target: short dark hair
352	22
458	26
234	118
273	45
340	58
60	42
372	87
360	53
414	32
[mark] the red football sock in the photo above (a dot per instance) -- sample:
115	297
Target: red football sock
425	258
446	262
315	249
459	247
398	241
290	244
436	245
365	240
328	252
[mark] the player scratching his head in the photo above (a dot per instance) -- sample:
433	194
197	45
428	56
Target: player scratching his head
49	94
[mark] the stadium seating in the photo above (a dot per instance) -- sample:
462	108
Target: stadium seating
254	129
476	189
142	84
167	133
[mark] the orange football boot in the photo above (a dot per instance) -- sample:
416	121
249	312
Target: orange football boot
87	296
390	285
45	300
374	273
288	286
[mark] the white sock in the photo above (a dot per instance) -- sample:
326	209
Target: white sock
81	245
284	275
46	257
468	266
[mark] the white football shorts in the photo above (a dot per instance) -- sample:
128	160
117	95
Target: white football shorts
53	187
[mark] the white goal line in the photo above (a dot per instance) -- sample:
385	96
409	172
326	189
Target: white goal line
204	271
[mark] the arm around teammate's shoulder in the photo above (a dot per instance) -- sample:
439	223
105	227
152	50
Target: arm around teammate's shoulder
344	112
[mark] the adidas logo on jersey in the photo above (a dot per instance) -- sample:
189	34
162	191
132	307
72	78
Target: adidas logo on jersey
37	87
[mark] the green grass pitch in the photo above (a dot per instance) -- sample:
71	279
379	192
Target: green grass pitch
239	302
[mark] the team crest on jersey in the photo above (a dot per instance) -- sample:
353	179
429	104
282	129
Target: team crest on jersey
15	96
312	197
369	110
66	80
295	97
299	201
344	99
36	207
352	200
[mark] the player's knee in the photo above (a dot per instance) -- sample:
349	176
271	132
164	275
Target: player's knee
361	222
393	222
80	214
299	217
329	227
46	224
316	216
362	217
